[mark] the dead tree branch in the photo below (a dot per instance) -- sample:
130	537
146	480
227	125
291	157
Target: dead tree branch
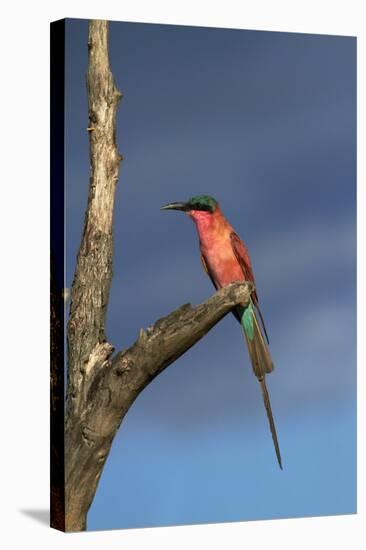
111	384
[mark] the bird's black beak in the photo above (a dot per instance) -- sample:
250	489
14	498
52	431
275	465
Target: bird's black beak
176	206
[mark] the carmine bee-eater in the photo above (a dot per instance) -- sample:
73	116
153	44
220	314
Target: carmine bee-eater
226	259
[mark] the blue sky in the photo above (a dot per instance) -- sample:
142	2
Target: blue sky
266	123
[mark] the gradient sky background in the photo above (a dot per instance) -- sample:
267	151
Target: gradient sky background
266	123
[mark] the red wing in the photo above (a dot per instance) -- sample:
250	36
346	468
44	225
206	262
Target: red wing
243	258
207	271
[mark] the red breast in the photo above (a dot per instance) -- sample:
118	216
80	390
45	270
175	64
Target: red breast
215	244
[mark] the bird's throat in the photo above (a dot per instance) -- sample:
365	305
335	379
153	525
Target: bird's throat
209	226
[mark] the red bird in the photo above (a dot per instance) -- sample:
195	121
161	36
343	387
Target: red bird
226	259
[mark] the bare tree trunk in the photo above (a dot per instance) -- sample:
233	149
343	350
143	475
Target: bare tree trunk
90	290
101	388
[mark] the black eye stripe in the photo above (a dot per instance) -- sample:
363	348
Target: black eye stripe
201	206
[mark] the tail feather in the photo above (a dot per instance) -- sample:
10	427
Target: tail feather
272	426
262	364
262	348
258	350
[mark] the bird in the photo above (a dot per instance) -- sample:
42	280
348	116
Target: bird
225	259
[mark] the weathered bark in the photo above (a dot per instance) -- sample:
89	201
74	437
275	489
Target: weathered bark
102	387
90	289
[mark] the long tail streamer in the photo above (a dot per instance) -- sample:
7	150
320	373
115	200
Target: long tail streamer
262	363
272	426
